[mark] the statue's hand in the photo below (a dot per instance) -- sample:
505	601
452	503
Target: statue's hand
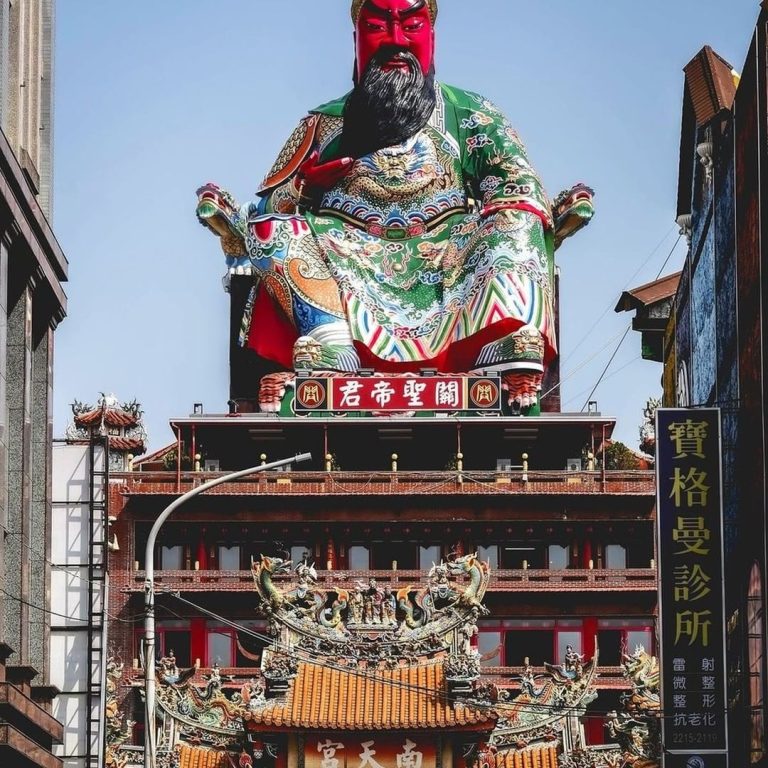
572	210
218	211
319	177
522	387
272	389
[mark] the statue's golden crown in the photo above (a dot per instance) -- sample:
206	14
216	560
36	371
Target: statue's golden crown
357	6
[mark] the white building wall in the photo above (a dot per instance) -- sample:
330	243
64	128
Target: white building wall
71	668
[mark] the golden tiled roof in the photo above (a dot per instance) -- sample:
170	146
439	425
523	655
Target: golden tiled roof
536	757
334	699
196	757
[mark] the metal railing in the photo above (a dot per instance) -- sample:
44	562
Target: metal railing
403	482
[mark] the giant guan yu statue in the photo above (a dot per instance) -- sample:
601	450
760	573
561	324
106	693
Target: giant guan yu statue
402	225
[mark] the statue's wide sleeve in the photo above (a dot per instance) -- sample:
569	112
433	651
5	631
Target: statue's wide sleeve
280	191
496	163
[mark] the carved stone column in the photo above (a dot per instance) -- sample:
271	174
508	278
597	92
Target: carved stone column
40	465
19	432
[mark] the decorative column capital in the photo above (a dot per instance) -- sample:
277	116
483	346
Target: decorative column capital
685	222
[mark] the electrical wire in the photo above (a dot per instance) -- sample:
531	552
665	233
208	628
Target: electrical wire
572	373
607	366
627	285
607	378
666	261
626	333
309	658
68	570
17	599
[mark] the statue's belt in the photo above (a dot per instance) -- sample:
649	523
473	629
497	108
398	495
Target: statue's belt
393	232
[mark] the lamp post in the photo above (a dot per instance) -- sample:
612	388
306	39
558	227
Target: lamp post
150	745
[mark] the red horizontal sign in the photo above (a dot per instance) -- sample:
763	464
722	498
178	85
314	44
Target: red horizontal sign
398	393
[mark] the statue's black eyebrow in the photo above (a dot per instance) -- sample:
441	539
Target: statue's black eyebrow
387	13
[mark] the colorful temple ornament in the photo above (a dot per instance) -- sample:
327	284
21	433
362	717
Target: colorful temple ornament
402	226
117	728
637	727
365	674
122	423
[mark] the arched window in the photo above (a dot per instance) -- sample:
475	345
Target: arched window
756	664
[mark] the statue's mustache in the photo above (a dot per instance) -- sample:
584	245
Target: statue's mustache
389	53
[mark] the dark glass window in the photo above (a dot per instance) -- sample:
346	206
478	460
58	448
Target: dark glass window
514	553
247	647
404	553
537	644
609	644
178	642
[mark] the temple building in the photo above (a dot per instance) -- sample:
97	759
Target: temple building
249	575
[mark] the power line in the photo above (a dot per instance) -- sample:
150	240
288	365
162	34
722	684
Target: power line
572	373
666	261
17	599
626	333
68	570
613	373
607	366
627	285
309	658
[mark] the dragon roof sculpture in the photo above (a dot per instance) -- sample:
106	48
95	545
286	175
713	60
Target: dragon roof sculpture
545	702
636	728
372	622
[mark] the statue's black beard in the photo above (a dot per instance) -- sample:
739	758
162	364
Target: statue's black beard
387	106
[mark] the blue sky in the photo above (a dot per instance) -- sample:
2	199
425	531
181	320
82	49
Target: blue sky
155	98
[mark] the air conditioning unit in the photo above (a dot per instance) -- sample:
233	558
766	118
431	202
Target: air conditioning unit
503	465
574	465
212	465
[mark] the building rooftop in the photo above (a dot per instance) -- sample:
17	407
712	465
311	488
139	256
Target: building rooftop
335	699
650	293
229	442
712	84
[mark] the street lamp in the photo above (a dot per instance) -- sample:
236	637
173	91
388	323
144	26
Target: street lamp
149	594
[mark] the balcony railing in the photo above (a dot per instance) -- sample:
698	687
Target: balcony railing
399	483
508	677
529	580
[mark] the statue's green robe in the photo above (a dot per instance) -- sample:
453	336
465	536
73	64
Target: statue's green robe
430	253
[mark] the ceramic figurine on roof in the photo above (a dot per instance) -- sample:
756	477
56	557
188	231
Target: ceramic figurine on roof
402	226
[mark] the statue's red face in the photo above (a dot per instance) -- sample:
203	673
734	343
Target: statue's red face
404	23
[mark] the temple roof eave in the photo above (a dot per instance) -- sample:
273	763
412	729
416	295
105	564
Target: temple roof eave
111	417
475	728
